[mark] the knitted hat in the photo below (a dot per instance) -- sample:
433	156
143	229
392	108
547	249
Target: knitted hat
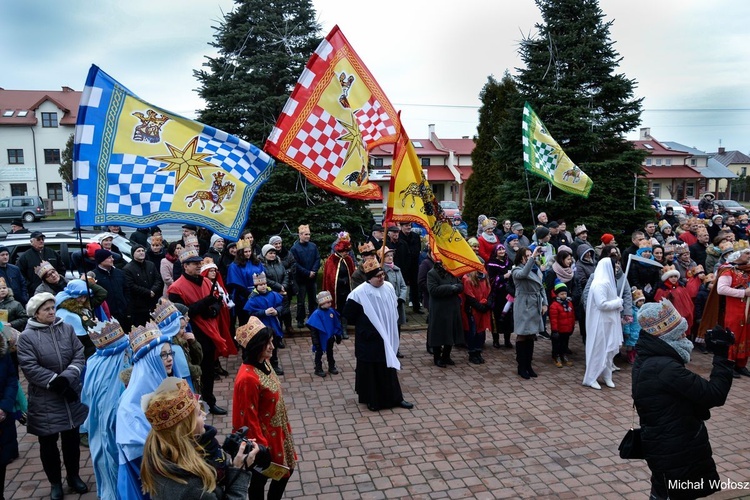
516	226
267	248
216	238
660	318
274	239
608	238
637	295
259	279
36	302
176	407
43	268
510	238
102	255
105	333
663	225
208	263
189	255
541	232
323	297
487	223
566	248
561	287
246	332
3	248
580	229
669	271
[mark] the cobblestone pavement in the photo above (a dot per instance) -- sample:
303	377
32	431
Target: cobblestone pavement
476	431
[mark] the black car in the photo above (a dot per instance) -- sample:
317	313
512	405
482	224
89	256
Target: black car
734	208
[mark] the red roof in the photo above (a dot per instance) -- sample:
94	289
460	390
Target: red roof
443	173
461	147
674	172
66	100
656	148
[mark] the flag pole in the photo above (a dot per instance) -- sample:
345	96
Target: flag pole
642	260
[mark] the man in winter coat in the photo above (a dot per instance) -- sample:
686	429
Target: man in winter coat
307	257
673	403
144	285
113	280
34	256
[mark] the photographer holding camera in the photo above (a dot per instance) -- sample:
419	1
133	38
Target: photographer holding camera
259	406
673	402
176	463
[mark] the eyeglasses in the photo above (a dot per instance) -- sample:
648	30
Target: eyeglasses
168	354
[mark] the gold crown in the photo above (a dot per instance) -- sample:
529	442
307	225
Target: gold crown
669	271
163	310
188	253
43	268
157	238
637	295
105	333
259	279
165	413
303	227
208	263
242	244
323	297
370	265
366	247
695	271
142	335
247	331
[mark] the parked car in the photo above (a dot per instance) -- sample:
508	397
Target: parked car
63	243
450	208
734	208
28	208
691	206
663	202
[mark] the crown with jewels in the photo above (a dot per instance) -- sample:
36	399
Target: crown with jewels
259	279
43	268
105	333
242	244
208	263
323	297
167	412
246	332
366	248
163	310
141	336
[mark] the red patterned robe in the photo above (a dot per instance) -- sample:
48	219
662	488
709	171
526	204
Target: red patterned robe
734	311
679	296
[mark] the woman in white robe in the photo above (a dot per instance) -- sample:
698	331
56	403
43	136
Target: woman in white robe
603	326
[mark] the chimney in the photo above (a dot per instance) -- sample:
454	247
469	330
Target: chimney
431	130
67	89
645	133
722	150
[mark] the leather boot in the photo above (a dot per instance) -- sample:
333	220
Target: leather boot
437	353
447	355
496	340
506	338
529	357
76	484
521	360
56	493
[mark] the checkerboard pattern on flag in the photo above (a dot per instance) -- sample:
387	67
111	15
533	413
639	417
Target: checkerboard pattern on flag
336	114
543	156
138	165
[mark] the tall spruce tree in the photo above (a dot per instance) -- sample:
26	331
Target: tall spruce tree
571	81
262	49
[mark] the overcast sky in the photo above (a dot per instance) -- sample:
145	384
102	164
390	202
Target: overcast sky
432	57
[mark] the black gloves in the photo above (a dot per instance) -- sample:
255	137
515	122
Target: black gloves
458	287
719	340
58	385
70	395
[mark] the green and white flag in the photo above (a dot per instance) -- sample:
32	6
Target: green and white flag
543	156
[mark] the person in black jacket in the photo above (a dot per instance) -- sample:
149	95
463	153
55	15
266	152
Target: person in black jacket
144	285
33	257
673	403
113	280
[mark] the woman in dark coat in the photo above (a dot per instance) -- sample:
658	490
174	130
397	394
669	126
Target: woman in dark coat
498	270
8	391
444	314
51	357
673	403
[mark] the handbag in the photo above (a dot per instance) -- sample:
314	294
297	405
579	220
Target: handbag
631	446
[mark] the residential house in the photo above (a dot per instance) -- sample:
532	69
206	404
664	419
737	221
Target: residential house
34	128
445	162
718	176
739	164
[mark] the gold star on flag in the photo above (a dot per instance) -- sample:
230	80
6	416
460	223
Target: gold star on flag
185	161
354	136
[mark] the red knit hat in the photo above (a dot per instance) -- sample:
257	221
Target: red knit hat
607	238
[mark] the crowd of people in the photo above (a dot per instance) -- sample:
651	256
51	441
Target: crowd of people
188	303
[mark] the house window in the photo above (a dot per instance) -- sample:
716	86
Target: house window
648	162
378	162
658	161
18	189
743	171
51	156
668	161
49	120
693	162
690	190
425	162
15	156
55	191
656	189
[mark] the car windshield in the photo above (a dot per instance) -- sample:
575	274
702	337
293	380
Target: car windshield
730	203
449	204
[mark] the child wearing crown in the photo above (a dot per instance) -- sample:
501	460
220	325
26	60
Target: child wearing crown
678	295
265	304
325	327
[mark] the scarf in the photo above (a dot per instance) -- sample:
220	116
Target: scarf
564	274
489	238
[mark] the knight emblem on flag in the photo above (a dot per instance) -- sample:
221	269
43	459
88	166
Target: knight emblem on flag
138	165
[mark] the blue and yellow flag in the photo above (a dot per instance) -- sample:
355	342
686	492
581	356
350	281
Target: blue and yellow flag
543	156
138	165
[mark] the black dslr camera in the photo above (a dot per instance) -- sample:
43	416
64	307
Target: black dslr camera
719	336
232	447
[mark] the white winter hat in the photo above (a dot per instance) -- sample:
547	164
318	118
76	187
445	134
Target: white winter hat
35	302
